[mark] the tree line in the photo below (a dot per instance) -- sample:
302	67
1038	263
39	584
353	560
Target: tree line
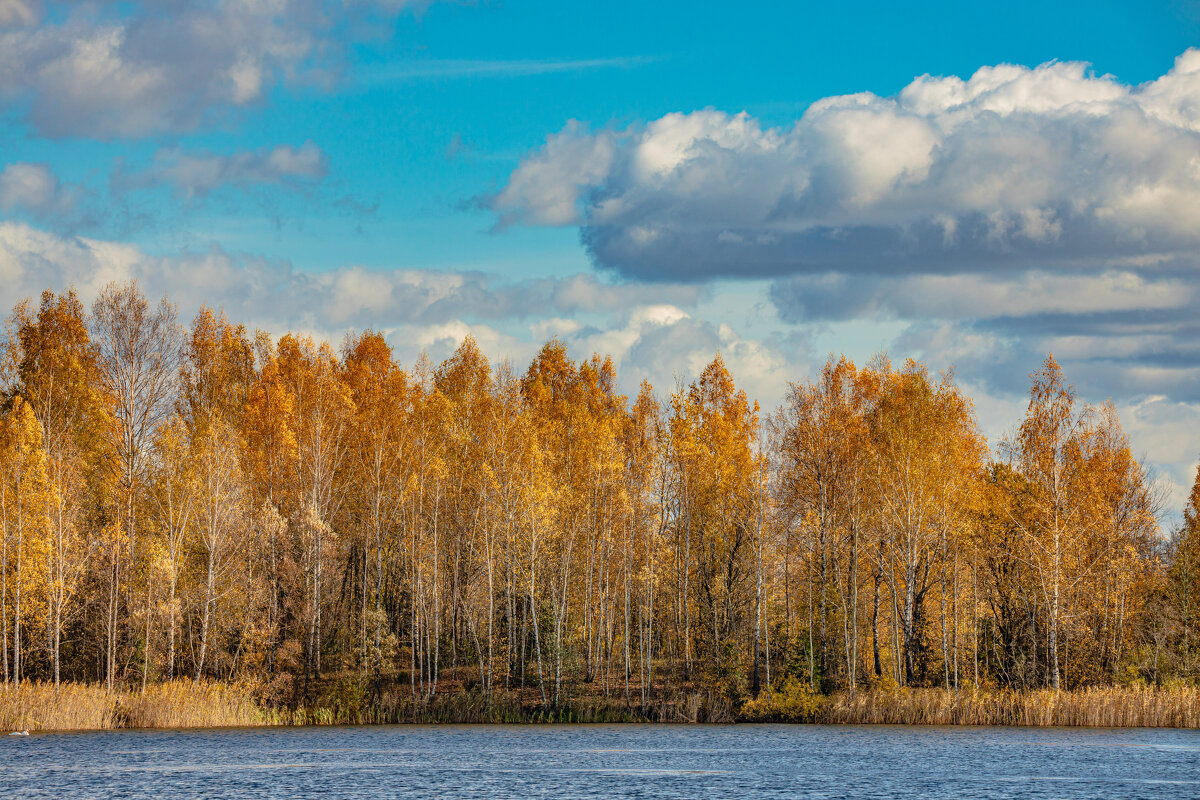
208	502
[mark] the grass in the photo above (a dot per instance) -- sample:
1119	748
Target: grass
184	704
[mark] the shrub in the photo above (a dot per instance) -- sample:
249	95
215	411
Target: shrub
792	701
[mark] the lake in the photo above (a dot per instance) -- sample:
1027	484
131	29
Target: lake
605	761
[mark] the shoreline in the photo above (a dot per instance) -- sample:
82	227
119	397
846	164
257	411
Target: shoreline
181	705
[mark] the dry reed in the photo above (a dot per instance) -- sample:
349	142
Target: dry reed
42	707
176	704
184	704
1115	707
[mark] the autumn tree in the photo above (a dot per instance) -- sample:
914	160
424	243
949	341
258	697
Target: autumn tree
927	451
1049	452
221	508
56	370
139	349
174	491
383	398
645	526
1119	558
221	503
1184	577
217	372
823	455
271	448
24	527
713	427
321	410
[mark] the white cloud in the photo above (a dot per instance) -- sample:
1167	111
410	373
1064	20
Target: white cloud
195	174
999	217
109	70
19	12
1011	169
650	331
1155	425
667	346
653	332
275	294
545	189
36	189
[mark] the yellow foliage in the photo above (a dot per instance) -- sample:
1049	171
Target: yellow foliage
792	701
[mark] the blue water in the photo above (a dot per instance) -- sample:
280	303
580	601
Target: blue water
605	761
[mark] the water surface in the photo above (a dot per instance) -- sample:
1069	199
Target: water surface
606	761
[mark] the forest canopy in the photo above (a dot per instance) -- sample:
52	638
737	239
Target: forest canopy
209	502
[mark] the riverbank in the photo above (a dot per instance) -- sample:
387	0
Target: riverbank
176	704
185	704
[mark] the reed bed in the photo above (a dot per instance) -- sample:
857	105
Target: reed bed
1115	707
397	706
42	707
184	704
175	704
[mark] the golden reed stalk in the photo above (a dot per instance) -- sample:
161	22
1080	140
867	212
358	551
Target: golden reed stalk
184	704
176	704
1115	707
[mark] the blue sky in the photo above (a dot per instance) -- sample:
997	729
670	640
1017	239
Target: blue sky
438	105
526	169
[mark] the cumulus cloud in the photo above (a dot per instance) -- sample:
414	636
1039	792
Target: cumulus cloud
1154	424
997	218
1151	379
193	175
1010	169
546	188
1120	333
658	343
35	189
652	332
1038	293
277	295
109	70
1125	362
19	12
667	346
